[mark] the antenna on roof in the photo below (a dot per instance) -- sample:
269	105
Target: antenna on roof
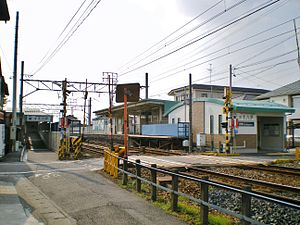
210	72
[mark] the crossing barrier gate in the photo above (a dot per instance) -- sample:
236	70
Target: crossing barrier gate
69	148
111	160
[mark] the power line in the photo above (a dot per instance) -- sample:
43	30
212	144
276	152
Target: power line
191	30
233	44
204	36
165	38
228	53
70	33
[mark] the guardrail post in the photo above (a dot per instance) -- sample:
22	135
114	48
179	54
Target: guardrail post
174	196
246	206
153	180
125	176
204	197
138	174
297	154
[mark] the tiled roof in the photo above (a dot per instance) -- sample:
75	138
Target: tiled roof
289	89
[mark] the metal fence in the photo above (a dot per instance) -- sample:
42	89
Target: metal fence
246	194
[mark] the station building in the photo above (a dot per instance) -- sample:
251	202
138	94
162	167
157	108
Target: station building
261	125
288	95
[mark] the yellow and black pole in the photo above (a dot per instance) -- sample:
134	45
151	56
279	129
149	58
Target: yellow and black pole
63	142
226	110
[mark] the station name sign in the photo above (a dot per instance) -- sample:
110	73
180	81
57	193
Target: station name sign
36	118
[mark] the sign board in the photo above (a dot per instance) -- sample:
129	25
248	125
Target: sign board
38	118
133	92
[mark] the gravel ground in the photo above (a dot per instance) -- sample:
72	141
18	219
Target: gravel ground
262	211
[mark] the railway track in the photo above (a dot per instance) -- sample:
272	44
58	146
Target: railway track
97	148
275	169
257	191
248	180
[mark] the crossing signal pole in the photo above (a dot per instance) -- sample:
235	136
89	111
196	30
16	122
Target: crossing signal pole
63	147
227	110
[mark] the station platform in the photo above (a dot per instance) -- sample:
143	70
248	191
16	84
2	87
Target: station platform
197	159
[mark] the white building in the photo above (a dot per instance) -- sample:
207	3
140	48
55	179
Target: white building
288	95
262	125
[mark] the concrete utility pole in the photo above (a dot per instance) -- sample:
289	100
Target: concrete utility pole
190	114
84	120
21	97
90	111
112	80
297	42
13	132
147	86
230	104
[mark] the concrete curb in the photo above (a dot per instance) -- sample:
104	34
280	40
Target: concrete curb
44	209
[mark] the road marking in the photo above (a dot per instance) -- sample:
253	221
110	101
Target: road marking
47	171
52	162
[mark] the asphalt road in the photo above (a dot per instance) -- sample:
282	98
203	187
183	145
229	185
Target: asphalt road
84	194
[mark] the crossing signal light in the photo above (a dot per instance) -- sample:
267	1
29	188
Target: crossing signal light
224	124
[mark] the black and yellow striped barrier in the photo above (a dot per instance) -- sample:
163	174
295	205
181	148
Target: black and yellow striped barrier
69	148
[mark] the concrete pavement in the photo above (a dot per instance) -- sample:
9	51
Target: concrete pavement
71	192
21	203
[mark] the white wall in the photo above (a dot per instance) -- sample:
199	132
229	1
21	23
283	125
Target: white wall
215	110
283	100
296	105
181	112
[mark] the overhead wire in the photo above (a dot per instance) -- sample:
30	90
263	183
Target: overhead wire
191	30
89	9
169	35
204	36
225	54
227	47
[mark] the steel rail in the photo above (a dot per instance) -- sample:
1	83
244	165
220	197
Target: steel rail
253	181
283	170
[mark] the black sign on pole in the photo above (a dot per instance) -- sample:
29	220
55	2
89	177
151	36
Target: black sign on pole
133	92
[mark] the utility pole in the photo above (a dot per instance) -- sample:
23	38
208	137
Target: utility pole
14	100
190	114
230	104
297	42
147	86
84	120
90	111
21	99
112	80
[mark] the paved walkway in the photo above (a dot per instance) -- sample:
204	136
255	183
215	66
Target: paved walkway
67	197
12	211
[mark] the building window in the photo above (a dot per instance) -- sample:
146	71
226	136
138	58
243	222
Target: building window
178	120
173	120
211	124
219	124
204	95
